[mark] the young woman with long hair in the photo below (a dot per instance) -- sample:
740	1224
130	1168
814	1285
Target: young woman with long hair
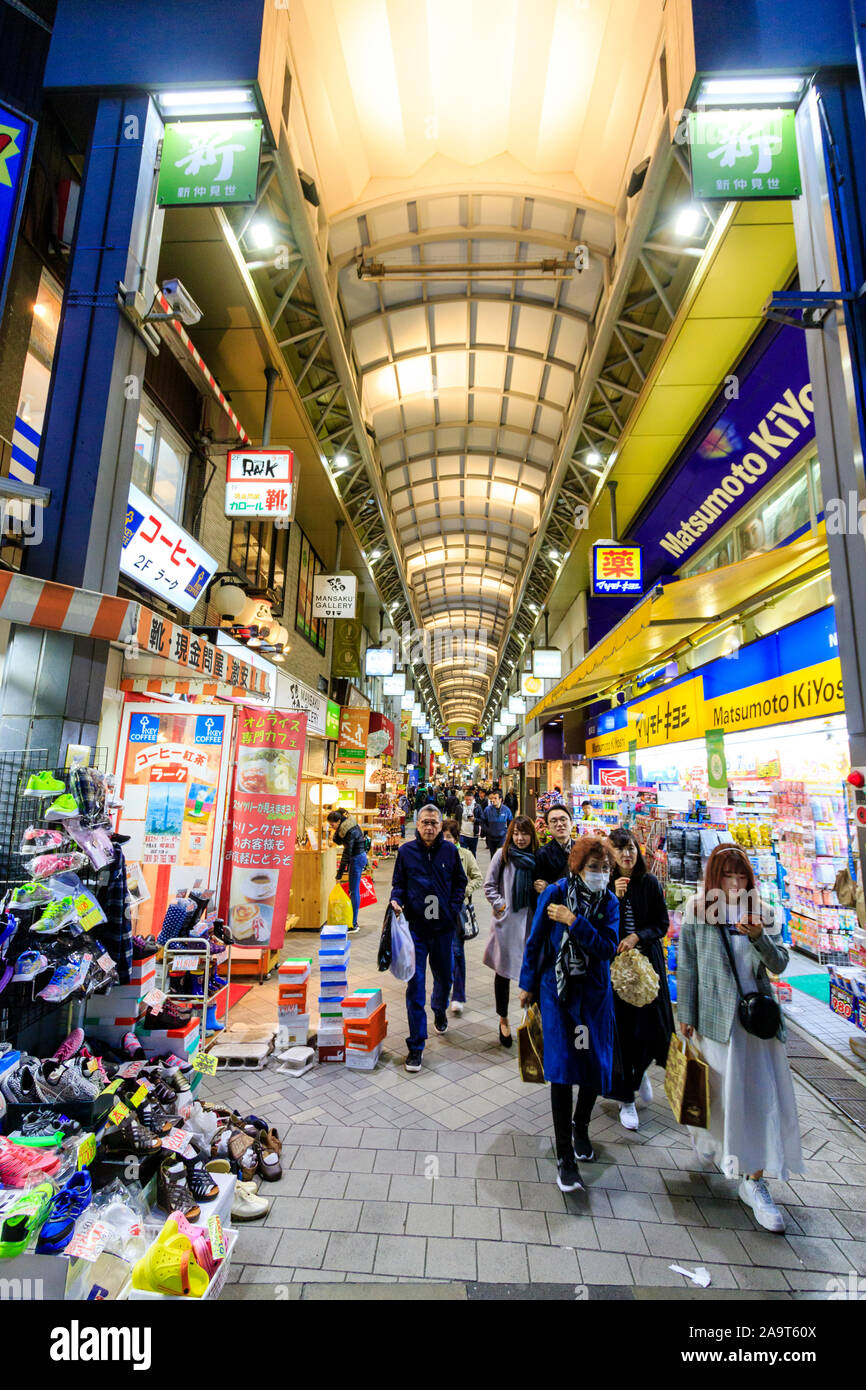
754	1126
508	888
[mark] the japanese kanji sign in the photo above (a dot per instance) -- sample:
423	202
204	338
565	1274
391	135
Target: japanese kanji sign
206	163
334	595
159	637
161	556
352	742
262	829
616	569
744	154
260	483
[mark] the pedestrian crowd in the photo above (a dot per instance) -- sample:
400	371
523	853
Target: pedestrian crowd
562	912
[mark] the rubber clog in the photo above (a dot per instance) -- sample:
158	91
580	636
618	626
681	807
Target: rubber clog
169	1266
24	1216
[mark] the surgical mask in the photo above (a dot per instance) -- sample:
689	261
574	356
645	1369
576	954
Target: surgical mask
596	882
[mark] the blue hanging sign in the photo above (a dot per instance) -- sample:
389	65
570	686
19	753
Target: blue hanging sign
16	142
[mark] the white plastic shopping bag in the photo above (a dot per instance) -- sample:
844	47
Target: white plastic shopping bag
402	949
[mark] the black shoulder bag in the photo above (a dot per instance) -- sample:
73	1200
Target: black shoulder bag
759	1014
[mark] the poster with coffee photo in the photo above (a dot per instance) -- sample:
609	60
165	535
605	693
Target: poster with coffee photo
262	825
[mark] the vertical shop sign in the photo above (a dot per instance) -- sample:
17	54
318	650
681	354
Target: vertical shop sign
717	767
263	823
260	483
15	143
744	154
332	724
632	762
346	658
209	163
352	741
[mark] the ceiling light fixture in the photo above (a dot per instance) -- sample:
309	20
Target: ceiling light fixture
688	220
261	233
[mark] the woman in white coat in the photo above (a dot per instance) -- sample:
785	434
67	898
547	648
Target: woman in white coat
509	889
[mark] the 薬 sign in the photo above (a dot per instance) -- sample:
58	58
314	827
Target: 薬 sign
616	569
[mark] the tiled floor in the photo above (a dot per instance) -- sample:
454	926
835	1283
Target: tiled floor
447	1177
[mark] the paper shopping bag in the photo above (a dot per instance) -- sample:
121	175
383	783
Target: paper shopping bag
530	1046
368	892
687	1084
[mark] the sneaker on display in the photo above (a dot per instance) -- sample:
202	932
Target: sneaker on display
28	965
43	784
31	895
55	917
755	1194
628	1116
64	808
68	1084
70	1045
131	1047
36	840
247	1205
24	1084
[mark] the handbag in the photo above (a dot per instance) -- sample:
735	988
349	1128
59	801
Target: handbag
468	928
530	1046
758	1013
687	1084
383	958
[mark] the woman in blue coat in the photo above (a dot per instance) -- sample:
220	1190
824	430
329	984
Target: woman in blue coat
566	967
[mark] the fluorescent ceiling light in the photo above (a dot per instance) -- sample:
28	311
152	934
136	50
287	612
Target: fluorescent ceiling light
207	101
340	461
593	458
262	233
731	91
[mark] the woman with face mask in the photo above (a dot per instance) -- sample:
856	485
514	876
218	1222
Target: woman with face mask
643	1034
566	967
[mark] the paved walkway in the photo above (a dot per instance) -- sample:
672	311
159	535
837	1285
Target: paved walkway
447	1178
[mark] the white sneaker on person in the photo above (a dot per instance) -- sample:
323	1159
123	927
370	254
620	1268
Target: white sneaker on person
628	1116
456	1008
645	1089
754	1192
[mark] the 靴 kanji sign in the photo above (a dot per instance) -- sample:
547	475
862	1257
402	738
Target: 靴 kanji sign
209	163
744	154
260	483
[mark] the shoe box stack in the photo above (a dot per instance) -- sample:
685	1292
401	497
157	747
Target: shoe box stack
292	1008
182	1041
333	987
364	1028
109	1016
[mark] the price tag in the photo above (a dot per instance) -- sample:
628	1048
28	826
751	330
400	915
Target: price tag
217	1239
89	912
118	1114
154	999
203	1062
112	1086
86	1151
104	961
90	1244
130	1072
183	963
177	1140
140	1094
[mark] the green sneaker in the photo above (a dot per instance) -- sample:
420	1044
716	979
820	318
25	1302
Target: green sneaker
31	895
55	916
64	808
43	784
25	1216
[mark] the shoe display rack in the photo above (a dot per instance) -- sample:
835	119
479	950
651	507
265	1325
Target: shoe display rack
190	956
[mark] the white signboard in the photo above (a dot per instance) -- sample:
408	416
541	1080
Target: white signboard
309	702
161	556
547	662
394	685
334	595
260	483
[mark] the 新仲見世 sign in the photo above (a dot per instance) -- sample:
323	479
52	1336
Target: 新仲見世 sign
744	154
209	163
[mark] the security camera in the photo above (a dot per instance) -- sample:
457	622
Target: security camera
181	302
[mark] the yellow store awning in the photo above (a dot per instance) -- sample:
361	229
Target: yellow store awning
680	609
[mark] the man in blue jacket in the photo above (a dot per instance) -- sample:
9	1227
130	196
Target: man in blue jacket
494	822
429	887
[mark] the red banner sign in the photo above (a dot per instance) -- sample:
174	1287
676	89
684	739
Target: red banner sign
613	777
262	828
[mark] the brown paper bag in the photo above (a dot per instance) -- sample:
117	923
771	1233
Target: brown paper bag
687	1084
530	1046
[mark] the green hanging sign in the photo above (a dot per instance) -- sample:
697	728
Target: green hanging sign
717	767
632	762
746	154
209	163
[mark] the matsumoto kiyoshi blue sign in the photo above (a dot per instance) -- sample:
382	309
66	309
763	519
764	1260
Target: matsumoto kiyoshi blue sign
209	728
764	425
143	728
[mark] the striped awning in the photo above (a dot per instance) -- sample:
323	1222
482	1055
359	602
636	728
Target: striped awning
84	613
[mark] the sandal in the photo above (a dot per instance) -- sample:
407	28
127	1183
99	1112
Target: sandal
157	1120
243	1152
201	1183
130	1137
269	1156
198	1239
172	1189
169	1266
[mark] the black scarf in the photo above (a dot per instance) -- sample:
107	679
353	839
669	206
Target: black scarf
571	961
524	877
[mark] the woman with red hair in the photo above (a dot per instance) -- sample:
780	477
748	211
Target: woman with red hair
729	942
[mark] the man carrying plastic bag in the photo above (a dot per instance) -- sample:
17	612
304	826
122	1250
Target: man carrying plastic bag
428	888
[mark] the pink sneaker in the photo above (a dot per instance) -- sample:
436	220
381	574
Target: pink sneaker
20	1165
131	1045
70	1045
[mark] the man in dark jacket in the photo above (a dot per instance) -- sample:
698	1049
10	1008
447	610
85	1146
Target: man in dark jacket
346	832
511	800
494	822
429	887
551	861
452	805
